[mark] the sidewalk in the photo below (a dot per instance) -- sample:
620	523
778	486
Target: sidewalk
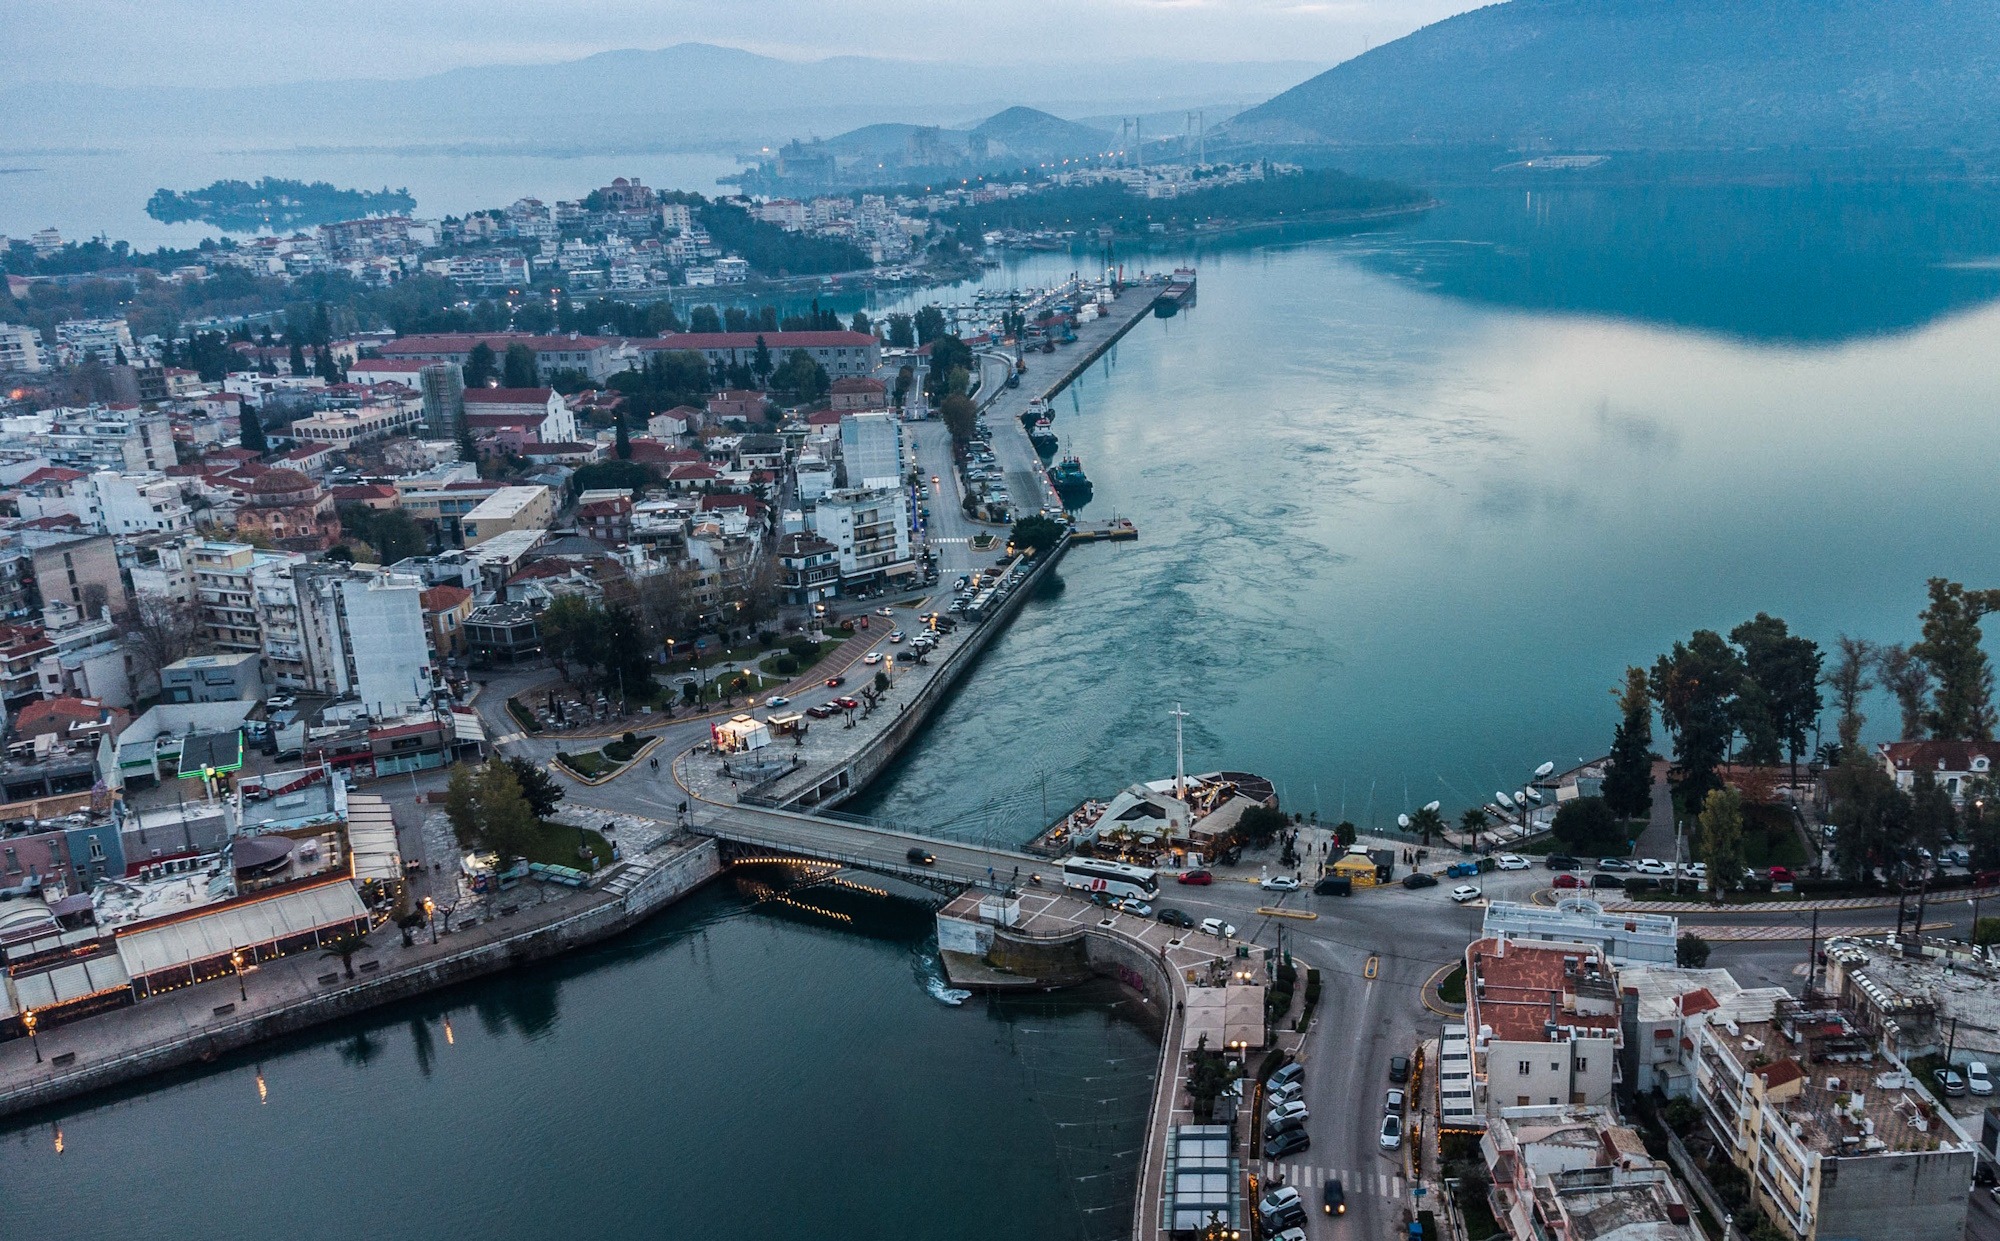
1789	907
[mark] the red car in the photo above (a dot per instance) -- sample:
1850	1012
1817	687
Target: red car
1197	877
863	621
847	704
1567	881
835	682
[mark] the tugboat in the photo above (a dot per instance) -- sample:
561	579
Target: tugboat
1071	484
1043	437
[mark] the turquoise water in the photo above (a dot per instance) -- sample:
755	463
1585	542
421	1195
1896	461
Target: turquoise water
1410	502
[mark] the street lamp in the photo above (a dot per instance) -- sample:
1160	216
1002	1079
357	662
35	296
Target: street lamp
430	916
236	960
29	1022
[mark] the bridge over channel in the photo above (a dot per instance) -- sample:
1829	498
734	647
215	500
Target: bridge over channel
877	848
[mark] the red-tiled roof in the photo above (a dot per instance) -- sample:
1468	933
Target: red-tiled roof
51	474
774	341
691	472
730	499
852	386
444	598
1518	988
1779	1072
463	342
1940	755
824	418
1699	1000
391	365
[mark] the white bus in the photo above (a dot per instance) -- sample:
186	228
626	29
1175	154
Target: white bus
1112	878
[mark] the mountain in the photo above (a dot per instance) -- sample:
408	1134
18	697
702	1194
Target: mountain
684	96
1663	74
1028	133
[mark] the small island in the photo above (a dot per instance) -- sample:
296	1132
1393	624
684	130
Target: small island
273	202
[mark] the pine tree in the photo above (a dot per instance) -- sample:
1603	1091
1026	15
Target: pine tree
624	444
298	358
1628	777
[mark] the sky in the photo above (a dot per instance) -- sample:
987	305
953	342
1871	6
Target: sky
247	42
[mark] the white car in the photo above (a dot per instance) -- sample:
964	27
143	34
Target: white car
896	635
1279	883
872	658
1465	892
778	700
1293	1109
1133	905
1512	861
1977	1079
883	612
1392	1132
1286	1092
1218	928
1651	866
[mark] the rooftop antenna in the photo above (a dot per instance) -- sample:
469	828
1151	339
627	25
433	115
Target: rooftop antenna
1180	754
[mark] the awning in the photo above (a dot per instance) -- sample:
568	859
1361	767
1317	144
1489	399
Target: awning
330	906
466	728
371	838
79	980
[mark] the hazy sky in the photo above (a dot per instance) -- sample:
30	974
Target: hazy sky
236	42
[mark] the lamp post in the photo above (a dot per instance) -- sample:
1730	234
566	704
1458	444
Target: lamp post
29	1022
430	916
236	961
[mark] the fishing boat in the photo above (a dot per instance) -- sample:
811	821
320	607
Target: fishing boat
1043	437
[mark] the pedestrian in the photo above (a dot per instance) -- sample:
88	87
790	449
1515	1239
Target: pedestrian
989	874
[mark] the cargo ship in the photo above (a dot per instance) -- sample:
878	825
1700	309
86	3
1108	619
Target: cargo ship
1178	295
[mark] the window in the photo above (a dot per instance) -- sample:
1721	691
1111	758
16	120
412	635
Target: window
1555	1068
1523	1068
1583	1064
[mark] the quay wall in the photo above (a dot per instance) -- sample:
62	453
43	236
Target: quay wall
603	916
1146	972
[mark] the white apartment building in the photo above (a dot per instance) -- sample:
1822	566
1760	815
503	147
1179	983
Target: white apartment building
99	338
108	437
142	503
21	348
1626	938
871	528
1544	1021
871	447
361	634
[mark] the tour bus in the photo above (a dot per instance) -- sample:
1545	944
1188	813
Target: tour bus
1112	878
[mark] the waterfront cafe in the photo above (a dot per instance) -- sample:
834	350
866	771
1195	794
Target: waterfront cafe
161	956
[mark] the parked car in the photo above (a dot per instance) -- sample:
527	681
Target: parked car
1333	1199
1418	879
1399	1069
1138	908
1392	1103
1566	881
820	711
1392	1133
1295	1109
1977	1079
1218	928
1285	1093
1512	861
921	857
1561	861
1288	1142
1279	883
1281	1208
1601	880
1780	874
846	703
1949	1082
1652	866
1199	877
1175	917
1613	863
1293	1072
1957	855
1465	892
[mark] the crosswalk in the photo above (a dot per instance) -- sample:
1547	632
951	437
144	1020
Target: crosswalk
1304	1177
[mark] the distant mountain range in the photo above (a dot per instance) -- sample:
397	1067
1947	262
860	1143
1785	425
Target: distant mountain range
688	96
1662	74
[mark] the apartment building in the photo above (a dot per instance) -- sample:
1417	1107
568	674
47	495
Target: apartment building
108	437
871	448
595	356
1837	1140
21	348
1544	1021
871	531
506	510
1578	1173
844	355
225	579
347	428
78	569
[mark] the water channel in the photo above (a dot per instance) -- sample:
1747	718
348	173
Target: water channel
1409	502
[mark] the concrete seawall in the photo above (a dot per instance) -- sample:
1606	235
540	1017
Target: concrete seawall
600	916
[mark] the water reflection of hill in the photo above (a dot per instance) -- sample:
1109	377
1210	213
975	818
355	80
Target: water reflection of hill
1799	262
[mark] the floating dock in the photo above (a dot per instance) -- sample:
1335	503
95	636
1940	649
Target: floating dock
1116	530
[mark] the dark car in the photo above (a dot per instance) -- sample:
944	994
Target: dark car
1290	1142
835	682
1288	1074
1200	877
1289	1124
1601	880
1399	1069
921	857
1418	879
1174	917
1563	861
1334	885
820	712
1333	1200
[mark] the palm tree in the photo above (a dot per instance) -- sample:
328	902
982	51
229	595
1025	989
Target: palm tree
345	947
1427	821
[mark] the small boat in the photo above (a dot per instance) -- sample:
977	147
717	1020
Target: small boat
1433	806
1504	800
1544	770
1072	485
